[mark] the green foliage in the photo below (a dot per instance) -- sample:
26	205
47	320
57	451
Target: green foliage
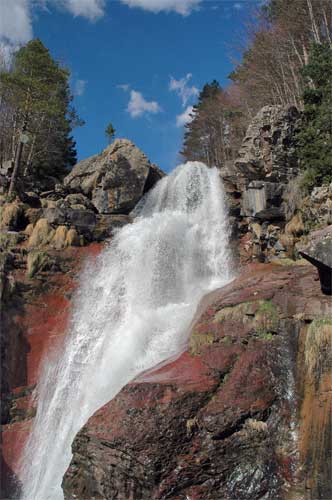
267	320
110	132
314	141
36	100
37	262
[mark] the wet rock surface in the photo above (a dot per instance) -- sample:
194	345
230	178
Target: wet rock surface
46	233
36	291
221	421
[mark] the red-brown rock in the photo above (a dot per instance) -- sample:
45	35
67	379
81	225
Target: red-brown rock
35	321
220	422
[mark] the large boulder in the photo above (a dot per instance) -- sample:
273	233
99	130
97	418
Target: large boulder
116	179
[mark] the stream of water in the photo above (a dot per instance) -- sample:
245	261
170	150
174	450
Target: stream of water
132	310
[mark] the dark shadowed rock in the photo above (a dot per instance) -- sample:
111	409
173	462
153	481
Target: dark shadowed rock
55	215
116	179
218	422
106	225
318	251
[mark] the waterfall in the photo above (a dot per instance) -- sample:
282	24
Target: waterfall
132	310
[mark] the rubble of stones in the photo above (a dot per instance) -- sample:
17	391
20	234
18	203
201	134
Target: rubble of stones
94	199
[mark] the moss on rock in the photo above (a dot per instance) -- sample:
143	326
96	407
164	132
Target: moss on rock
266	319
199	339
37	262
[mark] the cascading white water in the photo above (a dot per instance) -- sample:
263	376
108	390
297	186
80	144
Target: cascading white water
131	312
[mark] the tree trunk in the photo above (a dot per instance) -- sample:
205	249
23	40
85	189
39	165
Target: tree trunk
17	163
16	168
313	23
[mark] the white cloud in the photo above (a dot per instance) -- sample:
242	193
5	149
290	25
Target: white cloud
184	117
183	7
16	17
90	9
15	21
79	87
183	90
137	105
237	6
124	86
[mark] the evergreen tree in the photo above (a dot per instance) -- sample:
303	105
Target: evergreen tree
315	137
110	132
36	101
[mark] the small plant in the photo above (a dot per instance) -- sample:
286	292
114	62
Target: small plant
267	320
110	132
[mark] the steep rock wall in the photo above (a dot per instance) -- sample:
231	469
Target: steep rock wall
221	421
268	210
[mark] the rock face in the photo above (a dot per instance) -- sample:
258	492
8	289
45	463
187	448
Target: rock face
269	212
256	181
268	149
116	179
267	162
244	412
220	421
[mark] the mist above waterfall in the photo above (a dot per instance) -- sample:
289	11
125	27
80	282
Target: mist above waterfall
132	311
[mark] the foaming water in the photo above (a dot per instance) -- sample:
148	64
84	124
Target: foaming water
131	312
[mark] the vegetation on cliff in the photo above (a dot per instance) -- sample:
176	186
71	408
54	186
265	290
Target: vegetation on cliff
315	137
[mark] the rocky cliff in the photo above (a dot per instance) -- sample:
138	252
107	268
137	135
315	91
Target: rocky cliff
270	214
243	412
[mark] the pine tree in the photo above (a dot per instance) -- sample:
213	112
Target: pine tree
315	137
110	132
35	94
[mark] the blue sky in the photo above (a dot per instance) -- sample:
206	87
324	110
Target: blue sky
136	63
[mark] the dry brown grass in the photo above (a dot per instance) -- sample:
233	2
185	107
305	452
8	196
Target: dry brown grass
42	234
318	348
295	226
